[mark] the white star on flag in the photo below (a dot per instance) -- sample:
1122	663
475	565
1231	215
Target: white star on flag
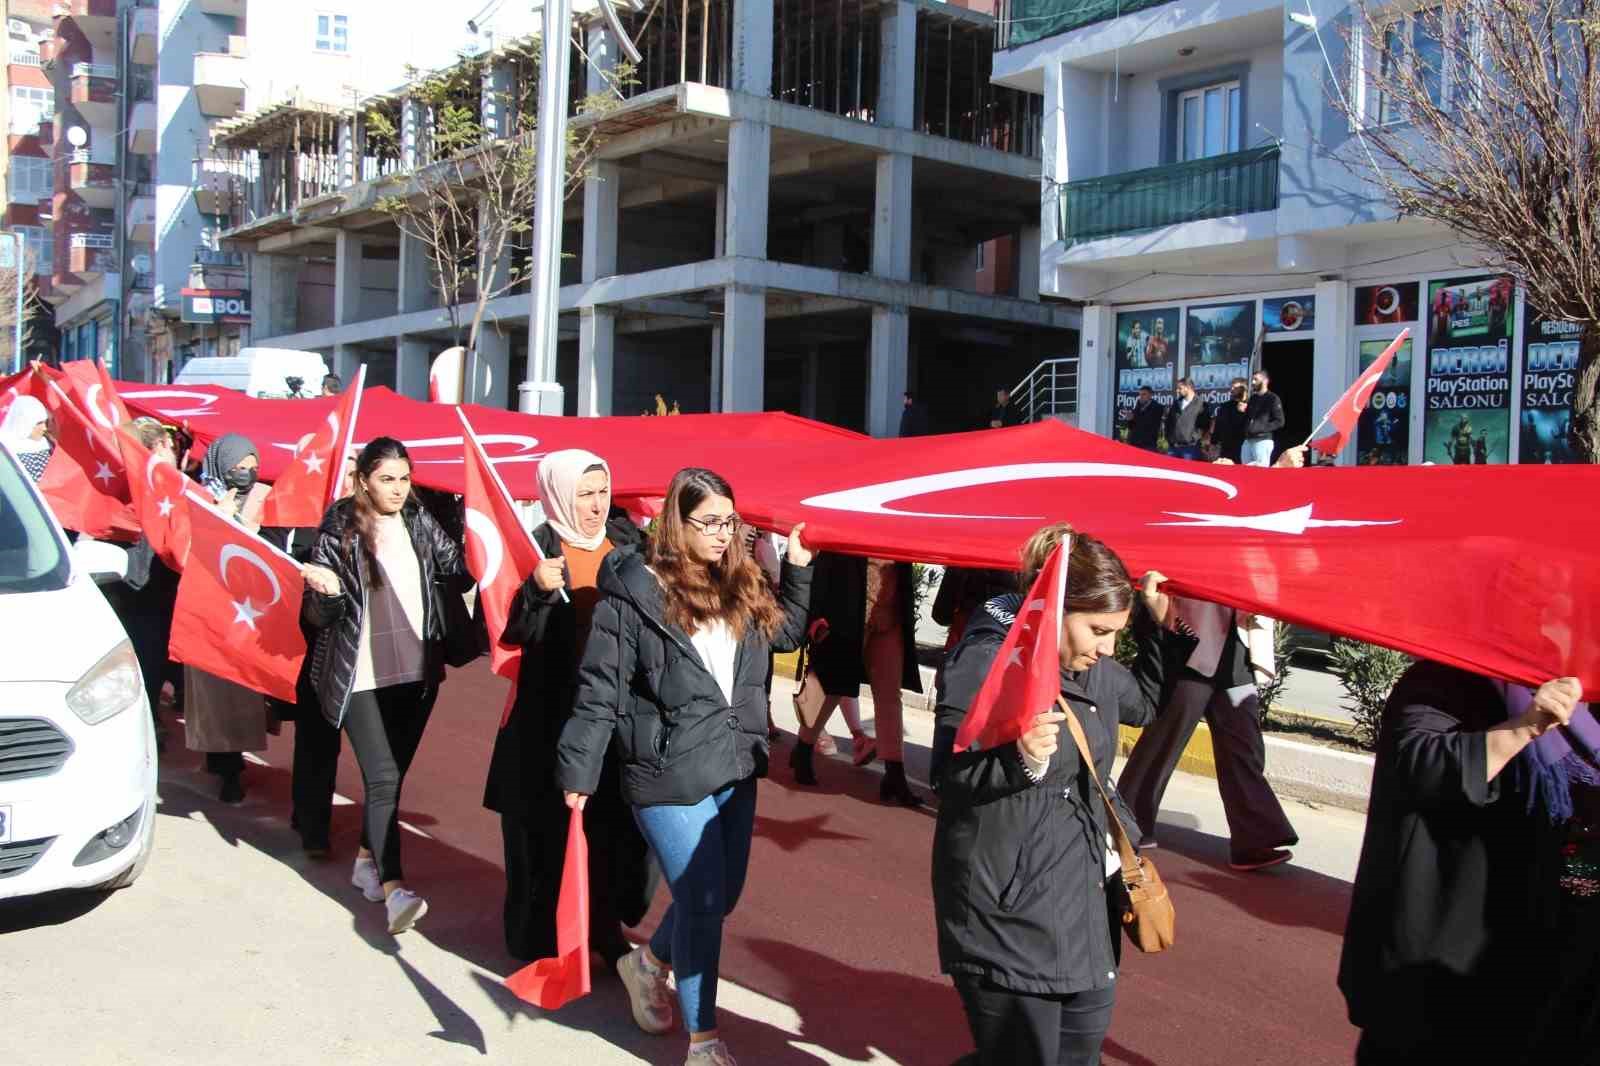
246	612
165	507
313	463
103	472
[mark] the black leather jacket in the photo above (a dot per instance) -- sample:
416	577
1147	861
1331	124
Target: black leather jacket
336	620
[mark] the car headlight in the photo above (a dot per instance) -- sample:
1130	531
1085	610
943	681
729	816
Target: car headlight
111	686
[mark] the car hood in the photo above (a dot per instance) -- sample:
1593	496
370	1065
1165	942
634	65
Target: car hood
56	635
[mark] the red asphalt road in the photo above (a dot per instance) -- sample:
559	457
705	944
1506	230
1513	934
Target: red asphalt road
837	920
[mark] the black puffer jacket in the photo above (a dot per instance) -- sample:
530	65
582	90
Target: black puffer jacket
337	619
839	596
678	737
1020	892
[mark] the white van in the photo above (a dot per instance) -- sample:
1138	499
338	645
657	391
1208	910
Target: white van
77	744
260	372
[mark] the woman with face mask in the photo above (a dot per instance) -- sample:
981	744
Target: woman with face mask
550	621
221	718
26	431
1026	896
376	584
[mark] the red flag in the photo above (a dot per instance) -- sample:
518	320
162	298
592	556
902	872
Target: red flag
84	481
500	554
157	488
552	983
238	610
304	492
1025	677
1346	411
112	401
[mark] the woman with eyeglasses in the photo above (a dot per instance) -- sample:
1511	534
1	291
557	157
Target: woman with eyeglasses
675	670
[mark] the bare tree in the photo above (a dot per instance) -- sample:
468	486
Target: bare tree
1484	115
10	278
470	201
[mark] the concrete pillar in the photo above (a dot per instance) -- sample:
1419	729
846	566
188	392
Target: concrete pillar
1097	351
720	240
274	296
489	368
498	99
715	406
347	257
744	349
416	292
601	218
749	175
349	150
886	370
410	132
597	344
1028	263
412	358
346	358
897	65
752	47
603	53
891	220
1336	359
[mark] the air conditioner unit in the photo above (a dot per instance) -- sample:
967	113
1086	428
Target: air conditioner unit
18	28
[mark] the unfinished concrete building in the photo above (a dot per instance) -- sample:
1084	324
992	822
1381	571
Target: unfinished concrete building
788	211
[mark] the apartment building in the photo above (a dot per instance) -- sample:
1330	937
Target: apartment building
1198	198
784	214
26	170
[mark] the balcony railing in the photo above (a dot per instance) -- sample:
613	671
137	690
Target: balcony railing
92	240
1240	183
24	56
94	70
1020	22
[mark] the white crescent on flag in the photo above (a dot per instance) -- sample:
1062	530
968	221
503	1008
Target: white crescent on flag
245	610
494	550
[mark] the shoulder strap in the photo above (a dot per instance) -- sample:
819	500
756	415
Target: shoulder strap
1130	858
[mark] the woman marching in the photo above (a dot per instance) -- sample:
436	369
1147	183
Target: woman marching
377	578
1026	897
581	530
675	670
26	430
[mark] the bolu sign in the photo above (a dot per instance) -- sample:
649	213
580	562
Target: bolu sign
216	305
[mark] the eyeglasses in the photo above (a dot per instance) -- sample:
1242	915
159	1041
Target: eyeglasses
715	527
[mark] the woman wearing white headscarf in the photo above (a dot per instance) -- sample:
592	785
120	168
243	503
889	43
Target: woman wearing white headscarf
26	432
581	529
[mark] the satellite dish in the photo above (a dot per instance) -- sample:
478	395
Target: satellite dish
141	264
77	137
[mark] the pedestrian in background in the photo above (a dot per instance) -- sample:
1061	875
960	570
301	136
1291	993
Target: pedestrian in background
1185	422
1002	415
550	620
913	418
1145	421
332	385
376	582
26	431
674	673
1228	422
150	589
1263	419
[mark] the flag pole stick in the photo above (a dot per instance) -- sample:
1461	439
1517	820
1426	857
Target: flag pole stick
470	439
347	441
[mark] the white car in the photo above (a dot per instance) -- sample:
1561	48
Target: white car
77	743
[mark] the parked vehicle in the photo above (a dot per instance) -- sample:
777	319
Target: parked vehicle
265	373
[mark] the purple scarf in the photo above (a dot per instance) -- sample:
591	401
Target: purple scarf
1548	767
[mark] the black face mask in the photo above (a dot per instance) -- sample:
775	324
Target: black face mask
240	480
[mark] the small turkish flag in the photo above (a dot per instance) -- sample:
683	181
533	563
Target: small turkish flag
309	486
84	482
1025	678
157	488
238	609
552	983
500	554
1346	411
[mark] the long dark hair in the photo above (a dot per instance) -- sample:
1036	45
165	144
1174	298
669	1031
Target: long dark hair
733	589
362	523
1097	580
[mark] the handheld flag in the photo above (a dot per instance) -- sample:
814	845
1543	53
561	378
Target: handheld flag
157	489
84	482
552	983
311	483
1346	411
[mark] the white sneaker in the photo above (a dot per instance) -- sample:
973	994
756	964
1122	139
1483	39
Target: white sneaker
365	876
647	993
710	1053
405	908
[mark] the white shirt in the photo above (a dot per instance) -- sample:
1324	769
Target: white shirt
717	649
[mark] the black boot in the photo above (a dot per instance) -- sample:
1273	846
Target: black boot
800	763
894	788
232	788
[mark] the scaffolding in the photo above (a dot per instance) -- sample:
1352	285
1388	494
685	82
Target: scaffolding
278	158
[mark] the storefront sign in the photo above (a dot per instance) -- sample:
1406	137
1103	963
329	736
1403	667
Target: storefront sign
1218	347
1289	314
207	306
1378	305
1468	416
1147	348
1383	436
1549	374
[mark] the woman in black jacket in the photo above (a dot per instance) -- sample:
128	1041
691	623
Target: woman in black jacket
1026	897
550	621
675	670
376	582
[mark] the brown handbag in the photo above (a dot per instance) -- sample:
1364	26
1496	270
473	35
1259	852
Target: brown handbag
1150	921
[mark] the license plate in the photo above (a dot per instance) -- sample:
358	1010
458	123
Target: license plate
5	825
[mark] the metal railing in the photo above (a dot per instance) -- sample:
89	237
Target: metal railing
1049	390
93	240
23	56
1137	201
1020	22
94	70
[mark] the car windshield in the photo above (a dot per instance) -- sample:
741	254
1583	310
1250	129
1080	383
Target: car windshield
32	555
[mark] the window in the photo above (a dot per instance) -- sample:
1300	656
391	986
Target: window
30	109
333	33
31	179
1209	121
37	245
1409	45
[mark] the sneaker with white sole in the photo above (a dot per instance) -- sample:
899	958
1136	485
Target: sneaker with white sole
405	908
364	875
710	1053
647	993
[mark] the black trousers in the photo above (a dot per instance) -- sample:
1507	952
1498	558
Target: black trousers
385	727
316	771
1017	1029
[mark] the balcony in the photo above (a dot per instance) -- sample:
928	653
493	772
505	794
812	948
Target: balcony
218	185
90	253
142	215
93	91
23	54
142	128
92	177
219	83
1224	186
223	7
1020	22
146	42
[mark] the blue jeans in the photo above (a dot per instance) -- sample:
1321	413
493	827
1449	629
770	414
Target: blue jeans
704	851
1258	452
1185	451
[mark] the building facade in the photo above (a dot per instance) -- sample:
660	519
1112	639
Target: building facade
1205	197
26	168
